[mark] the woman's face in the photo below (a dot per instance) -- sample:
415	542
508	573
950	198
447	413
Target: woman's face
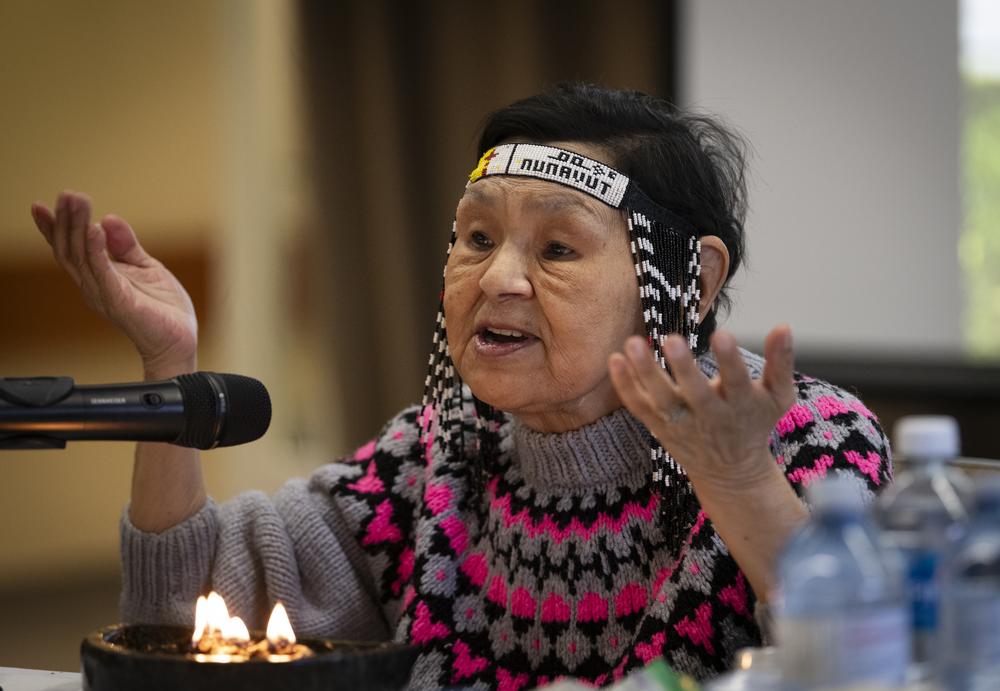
540	289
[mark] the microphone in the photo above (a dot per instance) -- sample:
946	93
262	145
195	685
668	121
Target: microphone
201	410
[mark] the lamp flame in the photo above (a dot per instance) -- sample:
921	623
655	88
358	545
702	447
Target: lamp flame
200	619
235	630
279	628
211	616
219	637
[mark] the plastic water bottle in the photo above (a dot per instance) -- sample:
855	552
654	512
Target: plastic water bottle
841	614
920	513
970	604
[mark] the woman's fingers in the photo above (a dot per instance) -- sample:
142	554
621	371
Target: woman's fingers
96	244
655	395
649	375
79	221
632	393
79	256
60	235
691	383
122	242
779	366
119	280
102	271
44	220
81	247
733	375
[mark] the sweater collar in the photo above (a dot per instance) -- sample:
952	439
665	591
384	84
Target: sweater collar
603	452
606	451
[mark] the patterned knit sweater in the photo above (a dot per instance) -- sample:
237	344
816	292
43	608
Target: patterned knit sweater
562	568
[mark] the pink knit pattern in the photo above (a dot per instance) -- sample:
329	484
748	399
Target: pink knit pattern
382	529
829	406
369	484
869	464
651	650
522	604
365	452
699	628
736	596
527	583
425	628
575	529
807	476
555	609
631	599
797	417
466	664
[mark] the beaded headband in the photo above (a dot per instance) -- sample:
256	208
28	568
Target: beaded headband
666	253
600	181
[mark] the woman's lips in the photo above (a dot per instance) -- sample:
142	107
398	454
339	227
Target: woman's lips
493	348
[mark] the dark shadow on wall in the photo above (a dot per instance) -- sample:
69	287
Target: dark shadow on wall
893	386
395	92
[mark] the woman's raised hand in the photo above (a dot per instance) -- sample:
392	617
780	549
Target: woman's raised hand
121	281
718	428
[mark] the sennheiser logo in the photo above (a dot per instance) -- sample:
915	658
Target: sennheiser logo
107	401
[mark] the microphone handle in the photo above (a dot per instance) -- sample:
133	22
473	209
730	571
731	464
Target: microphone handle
152	411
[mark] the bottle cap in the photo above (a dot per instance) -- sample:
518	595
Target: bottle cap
926	436
836	492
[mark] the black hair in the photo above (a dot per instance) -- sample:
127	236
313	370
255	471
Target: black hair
689	163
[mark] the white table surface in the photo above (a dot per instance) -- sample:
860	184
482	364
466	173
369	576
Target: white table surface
16	679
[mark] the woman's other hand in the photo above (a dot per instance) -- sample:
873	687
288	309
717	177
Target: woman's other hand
718	428
123	283
139	296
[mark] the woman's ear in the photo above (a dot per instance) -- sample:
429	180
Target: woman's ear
714	269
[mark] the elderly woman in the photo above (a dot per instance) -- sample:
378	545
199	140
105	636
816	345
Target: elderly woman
586	485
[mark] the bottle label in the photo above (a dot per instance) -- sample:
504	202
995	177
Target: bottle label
974	632
846	647
922	577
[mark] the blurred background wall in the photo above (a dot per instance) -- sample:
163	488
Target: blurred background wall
184	118
296	164
853	110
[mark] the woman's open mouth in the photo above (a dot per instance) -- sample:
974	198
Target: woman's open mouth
495	341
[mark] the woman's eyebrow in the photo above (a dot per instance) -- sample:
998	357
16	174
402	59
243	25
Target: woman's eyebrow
559	202
479	196
547	202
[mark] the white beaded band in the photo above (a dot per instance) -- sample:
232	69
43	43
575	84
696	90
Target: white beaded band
555	165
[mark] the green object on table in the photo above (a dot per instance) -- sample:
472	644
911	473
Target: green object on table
656	676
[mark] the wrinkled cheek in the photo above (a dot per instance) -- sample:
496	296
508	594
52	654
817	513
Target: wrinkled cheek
579	357
567	358
457	320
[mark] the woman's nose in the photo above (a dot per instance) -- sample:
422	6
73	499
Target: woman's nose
506	275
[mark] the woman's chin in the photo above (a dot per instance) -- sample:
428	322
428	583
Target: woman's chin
505	403
510	395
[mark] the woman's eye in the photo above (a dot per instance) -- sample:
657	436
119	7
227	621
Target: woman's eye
480	241
556	250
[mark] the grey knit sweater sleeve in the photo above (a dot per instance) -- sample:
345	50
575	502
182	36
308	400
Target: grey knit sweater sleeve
297	548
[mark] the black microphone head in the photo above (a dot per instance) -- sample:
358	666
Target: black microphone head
222	409
249	413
